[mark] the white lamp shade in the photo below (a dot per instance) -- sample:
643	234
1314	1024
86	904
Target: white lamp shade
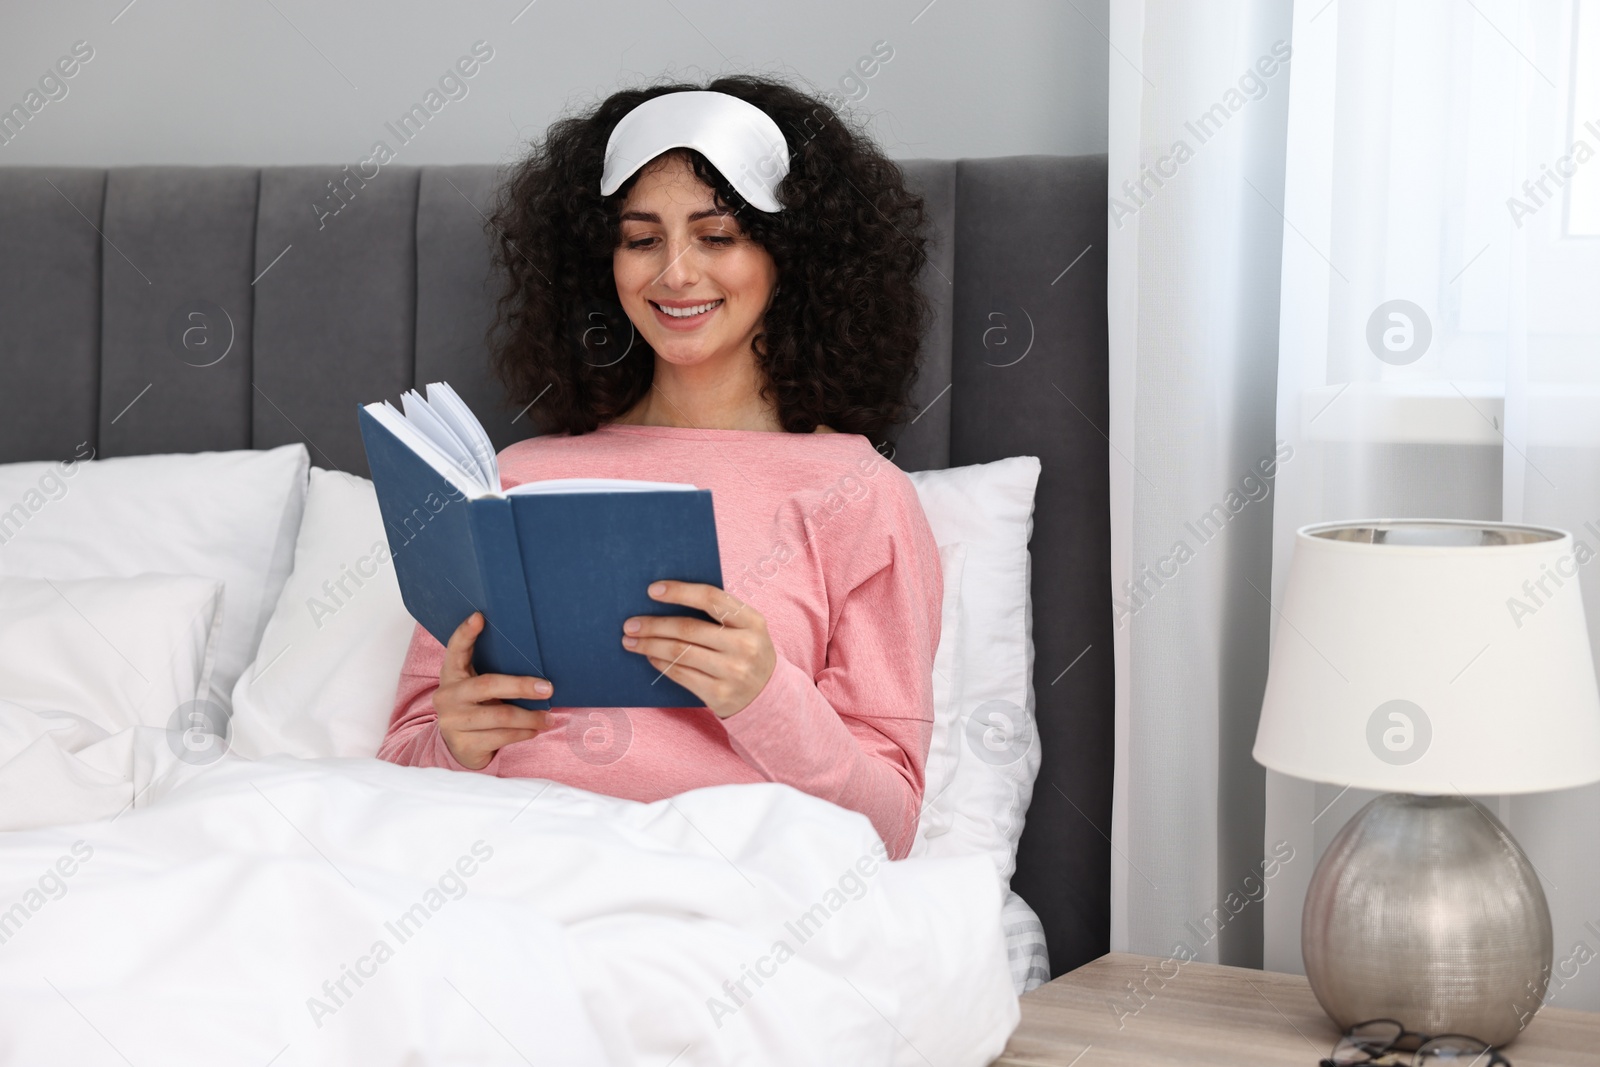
1433	656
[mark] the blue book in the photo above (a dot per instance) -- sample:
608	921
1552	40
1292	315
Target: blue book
555	566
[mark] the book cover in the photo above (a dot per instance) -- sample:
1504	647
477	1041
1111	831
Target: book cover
554	573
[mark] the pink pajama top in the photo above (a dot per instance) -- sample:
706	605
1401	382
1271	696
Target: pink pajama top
827	540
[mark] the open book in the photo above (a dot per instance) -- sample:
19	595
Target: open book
555	566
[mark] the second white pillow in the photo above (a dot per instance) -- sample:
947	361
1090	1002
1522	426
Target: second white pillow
324	679
986	745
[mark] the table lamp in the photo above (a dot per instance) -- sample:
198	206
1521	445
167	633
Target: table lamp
1432	659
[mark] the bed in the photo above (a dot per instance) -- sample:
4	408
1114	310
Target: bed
212	322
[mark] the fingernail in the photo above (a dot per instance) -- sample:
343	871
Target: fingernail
631	626
542	688
658	588
630	642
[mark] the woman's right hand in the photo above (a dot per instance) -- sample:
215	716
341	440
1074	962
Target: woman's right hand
473	721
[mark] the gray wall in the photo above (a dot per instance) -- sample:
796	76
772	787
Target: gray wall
264	82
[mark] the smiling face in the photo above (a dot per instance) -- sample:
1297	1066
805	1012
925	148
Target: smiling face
695	286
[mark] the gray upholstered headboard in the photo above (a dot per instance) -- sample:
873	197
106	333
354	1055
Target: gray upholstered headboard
318	311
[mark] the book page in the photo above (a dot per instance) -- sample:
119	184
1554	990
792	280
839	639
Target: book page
463	478
594	485
448	405
431	425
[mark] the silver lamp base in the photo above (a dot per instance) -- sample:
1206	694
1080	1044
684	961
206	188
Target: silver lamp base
1425	910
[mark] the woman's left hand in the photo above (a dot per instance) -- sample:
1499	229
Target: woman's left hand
724	663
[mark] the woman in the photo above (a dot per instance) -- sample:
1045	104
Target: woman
756	336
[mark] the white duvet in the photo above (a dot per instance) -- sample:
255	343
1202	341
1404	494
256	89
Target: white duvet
352	912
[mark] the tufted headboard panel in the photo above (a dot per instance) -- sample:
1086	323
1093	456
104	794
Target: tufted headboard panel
304	312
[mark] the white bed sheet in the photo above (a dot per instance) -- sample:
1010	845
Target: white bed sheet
257	912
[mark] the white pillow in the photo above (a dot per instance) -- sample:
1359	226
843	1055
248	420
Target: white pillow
225	515
324	680
985	742
944	752
118	652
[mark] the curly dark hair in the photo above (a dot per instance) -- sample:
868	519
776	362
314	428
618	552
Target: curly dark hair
840	342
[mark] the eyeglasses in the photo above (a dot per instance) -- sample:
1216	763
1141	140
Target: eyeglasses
1378	1041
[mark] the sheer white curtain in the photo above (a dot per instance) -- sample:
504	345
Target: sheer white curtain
1198	95
1439	344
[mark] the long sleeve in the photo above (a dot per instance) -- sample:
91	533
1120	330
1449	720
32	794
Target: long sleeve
858	734
413	739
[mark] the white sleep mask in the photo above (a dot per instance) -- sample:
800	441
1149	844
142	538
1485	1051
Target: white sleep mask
738	138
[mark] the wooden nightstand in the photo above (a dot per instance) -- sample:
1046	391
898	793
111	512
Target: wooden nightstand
1210	1016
